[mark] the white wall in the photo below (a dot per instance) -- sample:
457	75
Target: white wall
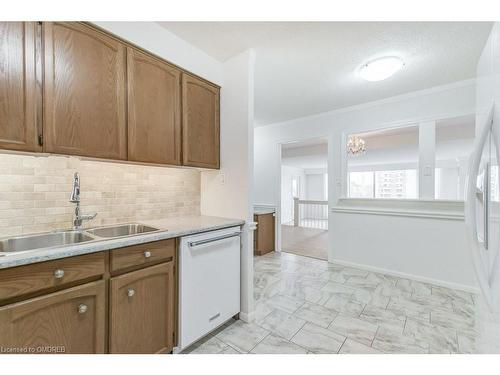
316	189
287	174
430	250
442	102
228	192
315	186
447	182
427	159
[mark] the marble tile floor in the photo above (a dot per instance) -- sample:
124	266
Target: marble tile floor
305	305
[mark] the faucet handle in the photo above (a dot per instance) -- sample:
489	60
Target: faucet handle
75	191
89	216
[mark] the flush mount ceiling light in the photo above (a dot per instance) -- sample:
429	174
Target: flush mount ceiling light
380	69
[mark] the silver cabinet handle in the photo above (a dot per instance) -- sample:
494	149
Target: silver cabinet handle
130	292
213	239
58	274
82	309
214	317
147	254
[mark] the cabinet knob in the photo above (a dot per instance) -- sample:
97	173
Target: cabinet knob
147	254
58	274
130	292
82	309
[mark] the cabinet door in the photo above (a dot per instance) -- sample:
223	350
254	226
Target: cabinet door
70	321
265	233
142	311
200	123
18	129
154	121
84	92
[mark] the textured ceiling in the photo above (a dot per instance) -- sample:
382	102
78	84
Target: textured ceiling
303	68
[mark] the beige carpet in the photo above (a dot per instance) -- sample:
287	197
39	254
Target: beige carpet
305	241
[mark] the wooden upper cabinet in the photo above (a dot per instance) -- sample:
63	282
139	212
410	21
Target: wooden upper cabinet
154	118
200	123
18	126
101	97
84	92
142	313
72	320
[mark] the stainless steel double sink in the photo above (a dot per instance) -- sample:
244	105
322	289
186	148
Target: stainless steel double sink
70	237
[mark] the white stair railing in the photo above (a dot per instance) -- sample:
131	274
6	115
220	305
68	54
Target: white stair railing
310	213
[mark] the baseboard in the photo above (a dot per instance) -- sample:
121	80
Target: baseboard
428	280
247	317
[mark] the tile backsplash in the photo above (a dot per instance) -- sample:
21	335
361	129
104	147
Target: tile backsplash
35	190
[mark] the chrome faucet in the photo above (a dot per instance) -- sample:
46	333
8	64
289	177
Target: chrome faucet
75	198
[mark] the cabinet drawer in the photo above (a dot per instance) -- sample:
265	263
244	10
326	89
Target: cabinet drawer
68	321
32	278
142	254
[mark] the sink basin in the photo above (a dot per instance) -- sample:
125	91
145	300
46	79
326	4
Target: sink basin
121	230
70	237
40	241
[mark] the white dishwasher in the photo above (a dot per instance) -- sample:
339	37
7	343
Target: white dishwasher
209	282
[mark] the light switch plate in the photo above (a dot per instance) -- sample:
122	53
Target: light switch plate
222	178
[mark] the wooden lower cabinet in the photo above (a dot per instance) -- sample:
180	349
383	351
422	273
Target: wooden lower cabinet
68	321
142	310
92	307
264	237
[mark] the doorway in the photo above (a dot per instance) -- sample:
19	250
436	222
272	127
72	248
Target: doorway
304	198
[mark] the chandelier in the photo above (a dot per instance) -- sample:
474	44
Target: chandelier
356	146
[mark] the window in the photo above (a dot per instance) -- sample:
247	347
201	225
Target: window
428	160
388	168
361	185
390	184
398	184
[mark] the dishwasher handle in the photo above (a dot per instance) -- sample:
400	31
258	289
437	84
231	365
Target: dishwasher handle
213	239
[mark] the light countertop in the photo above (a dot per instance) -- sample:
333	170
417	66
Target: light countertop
263	210
168	228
